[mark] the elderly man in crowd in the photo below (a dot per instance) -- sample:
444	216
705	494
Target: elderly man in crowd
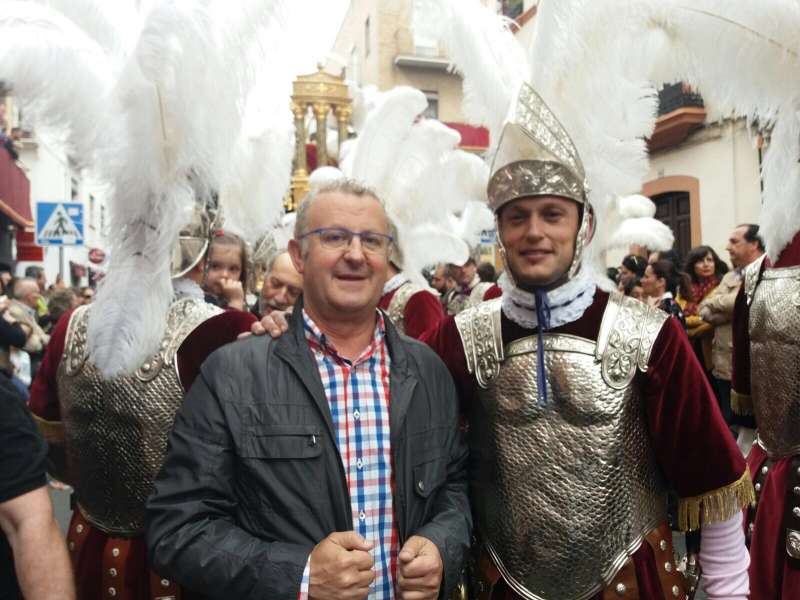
282	285
24	309
327	463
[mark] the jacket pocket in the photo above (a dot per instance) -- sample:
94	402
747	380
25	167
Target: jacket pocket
281	442
430	475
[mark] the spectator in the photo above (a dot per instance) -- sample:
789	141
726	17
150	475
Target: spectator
633	288
60	302
85	296
9	143
632	266
23	310
440	280
282	286
744	247
12	339
5	276
37	274
663	281
394	518
486	272
33	557
671	255
706	270
226	279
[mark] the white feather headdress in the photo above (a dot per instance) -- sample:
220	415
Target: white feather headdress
154	107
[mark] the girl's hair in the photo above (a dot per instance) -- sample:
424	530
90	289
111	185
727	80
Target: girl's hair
676	281
222	238
633	282
699	253
635	263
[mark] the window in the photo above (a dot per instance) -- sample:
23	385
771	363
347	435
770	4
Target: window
92	203
366	38
432	111
512	8
425	43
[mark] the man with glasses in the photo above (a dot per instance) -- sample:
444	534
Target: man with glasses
327	463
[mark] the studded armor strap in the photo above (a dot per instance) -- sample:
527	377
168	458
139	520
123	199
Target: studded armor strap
481	336
751	273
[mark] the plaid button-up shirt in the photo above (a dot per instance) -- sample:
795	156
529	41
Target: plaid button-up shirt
358	396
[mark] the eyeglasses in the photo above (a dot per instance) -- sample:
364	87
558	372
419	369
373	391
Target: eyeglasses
339	238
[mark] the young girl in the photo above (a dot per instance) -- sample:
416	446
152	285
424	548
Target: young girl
226	279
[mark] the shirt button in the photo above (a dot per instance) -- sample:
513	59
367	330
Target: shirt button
359	463
362	515
356	415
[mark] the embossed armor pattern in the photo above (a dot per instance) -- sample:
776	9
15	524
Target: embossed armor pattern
563	494
116	430
751	273
397	305
775	356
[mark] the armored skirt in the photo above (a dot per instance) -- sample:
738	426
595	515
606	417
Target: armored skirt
766	386
569	498
107	439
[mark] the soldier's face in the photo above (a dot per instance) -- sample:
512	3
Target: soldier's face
539	234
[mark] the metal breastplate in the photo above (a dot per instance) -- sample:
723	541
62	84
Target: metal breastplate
116	430
397	305
775	360
563	494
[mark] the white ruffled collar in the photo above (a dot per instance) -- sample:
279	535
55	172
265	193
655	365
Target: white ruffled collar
187	288
394	283
567	303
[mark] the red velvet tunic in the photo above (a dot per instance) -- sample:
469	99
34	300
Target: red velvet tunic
771	575
692	444
423	311
91	575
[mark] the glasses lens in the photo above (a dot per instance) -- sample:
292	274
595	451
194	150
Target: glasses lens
373	242
335	238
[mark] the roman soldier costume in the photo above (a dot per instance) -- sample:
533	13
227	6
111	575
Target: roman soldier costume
583	407
116	371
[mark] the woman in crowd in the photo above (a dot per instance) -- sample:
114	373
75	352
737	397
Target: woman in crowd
706	270
634	289
632	266
226	280
663	281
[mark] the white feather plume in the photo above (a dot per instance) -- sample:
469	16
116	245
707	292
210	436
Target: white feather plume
427	244
487	55
323	176
643	231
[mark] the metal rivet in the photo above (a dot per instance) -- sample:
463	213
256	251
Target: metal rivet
79	528
115	552
165	582
71	546
758	487
146	367
421	485
668	567
676	591
796	511
751	526
662	544
796	490
621	589
764	470
798	468
112	591
112	571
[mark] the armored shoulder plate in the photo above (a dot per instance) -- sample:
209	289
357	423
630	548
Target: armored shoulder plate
397	305
478	292
751	273
481	335
627	334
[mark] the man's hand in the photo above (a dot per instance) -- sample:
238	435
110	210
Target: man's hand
274	324
420	569
341	568
233	292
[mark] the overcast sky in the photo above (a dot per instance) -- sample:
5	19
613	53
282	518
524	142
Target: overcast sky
322	29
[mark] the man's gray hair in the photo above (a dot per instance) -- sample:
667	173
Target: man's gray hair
23	284
341	186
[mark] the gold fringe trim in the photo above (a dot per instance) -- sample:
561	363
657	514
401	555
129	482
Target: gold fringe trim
716	506
741	404
52	431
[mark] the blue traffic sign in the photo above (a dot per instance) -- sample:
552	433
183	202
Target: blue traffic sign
59	224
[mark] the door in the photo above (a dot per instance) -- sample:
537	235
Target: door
674	210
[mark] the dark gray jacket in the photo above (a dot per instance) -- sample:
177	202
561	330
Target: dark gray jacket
253	479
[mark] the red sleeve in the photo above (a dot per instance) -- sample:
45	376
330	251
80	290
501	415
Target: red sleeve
740	368
492	292
790	255
423	311
692	443
207	337
43	400
446	342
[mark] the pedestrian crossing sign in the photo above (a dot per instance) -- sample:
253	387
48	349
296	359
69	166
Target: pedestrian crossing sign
59	224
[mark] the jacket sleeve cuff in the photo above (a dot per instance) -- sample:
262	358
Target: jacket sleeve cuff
451	567
741	404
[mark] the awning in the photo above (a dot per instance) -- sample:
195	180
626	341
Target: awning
15	192
472	138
